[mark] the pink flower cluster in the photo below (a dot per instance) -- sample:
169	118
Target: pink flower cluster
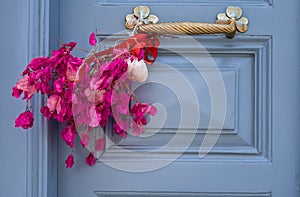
139	112
69	161
82	95
25	120
54	76
126	118
92	96
92	39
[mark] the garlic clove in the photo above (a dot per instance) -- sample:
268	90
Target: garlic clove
137	70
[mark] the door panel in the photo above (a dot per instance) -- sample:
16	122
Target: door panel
257	151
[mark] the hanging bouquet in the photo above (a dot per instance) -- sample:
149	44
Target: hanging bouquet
83	94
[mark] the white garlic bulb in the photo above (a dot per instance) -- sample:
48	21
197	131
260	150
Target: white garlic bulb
137	70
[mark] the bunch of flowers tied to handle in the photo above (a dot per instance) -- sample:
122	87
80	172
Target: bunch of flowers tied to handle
84	94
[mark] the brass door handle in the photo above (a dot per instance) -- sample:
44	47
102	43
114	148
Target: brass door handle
228	23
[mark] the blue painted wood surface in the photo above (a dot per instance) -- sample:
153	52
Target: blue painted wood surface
258	153
261	158
14	55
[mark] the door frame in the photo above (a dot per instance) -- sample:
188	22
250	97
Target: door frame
42	145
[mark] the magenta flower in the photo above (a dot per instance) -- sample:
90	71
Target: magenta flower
119	131
100	144
46	112
24	85
54	103
120	103
69	161
37	63
25	120
84	140
80	93
68	134
92	39
90	160
16	92
59	84
137	129
72	67
139	111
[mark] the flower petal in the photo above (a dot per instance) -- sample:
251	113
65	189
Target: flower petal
25	120
22	84
69	161
52	102
90	160
153	110
16	92
100	144
92	39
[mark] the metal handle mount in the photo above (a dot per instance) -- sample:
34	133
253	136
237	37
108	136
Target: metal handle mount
141	21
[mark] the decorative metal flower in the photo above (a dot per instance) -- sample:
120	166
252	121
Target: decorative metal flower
141	15
233	14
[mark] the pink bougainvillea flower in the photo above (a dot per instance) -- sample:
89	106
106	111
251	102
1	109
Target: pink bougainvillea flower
69	161
137	129
84	139
91	103
68	134
140	55
25	120
16	92
152	110
93	122
59	84
92	39
23	84
54	103
72	67
46	112
100	144
37	63
94	96
120	103
119	131
90	160
65	112
139	111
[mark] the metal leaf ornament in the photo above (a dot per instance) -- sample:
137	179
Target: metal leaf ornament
141	15
234	14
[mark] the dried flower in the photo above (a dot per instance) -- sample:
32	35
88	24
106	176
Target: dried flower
69	161
81	94
68	134
25	120
92	39
90	160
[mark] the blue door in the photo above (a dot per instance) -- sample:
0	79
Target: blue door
255	75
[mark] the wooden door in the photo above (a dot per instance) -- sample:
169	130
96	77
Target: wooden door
257	152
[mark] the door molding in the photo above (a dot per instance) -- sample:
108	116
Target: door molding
41	176
189	194
186	3
259	149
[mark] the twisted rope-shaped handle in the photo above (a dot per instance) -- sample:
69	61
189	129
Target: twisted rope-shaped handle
189	28
141	21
